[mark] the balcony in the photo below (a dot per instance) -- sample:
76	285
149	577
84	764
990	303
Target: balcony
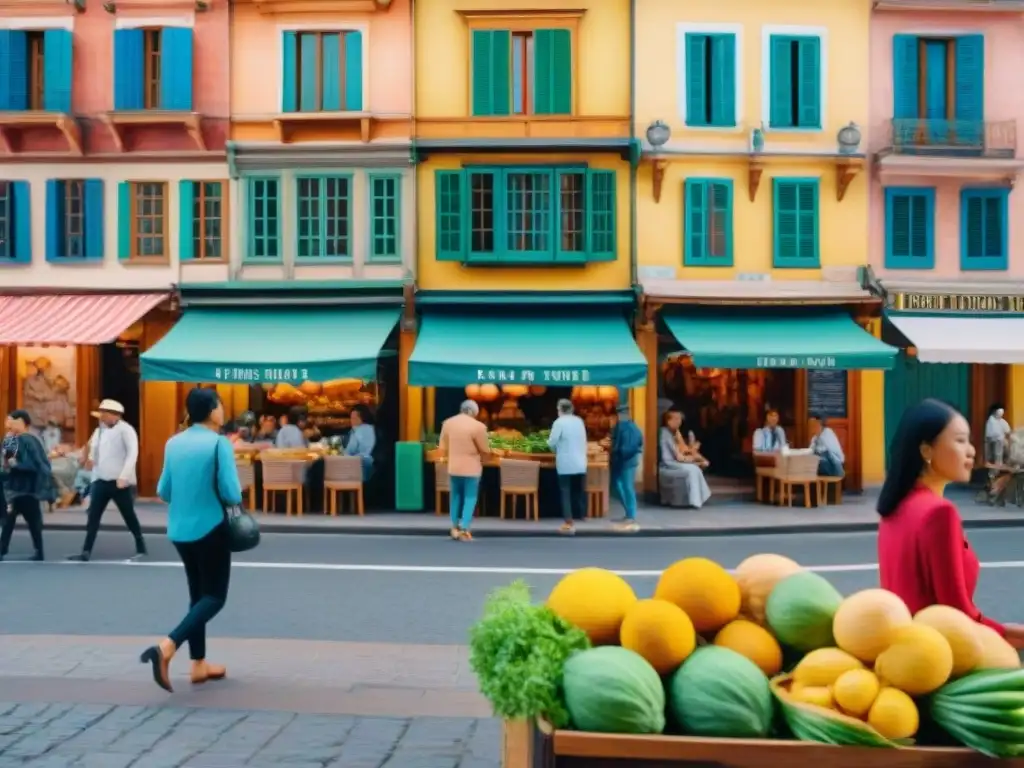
950	147
974	6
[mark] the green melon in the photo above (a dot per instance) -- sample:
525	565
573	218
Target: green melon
613	690
800	610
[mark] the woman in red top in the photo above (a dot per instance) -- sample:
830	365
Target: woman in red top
923	555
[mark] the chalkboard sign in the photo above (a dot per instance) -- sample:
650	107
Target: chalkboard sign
826	393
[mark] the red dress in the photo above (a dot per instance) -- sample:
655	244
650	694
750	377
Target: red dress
925	558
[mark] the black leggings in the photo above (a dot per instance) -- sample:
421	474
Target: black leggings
207	564
28	508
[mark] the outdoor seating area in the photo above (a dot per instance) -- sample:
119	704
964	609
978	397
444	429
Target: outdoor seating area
304	480
780	476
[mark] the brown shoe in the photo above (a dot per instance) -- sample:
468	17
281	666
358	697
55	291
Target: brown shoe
159	658
203	672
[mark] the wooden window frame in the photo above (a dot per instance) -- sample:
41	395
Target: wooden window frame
922	69
342	80
135	257
199	222
152	62
8	248
36	85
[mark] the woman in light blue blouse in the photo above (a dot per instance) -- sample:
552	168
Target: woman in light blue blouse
198	480
362	439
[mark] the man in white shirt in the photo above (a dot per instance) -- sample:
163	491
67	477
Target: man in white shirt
113	454
825	444
569	442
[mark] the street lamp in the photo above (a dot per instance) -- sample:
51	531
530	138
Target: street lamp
658	134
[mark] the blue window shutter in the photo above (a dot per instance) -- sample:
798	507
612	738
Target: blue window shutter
353	71
451	231
309	73
330	54
695	201
22	222
13	70
602	241
780	80
124	220
905	77
983	229
723	80
186	223
696	79
95	221
810	82
969	88
552	72
176	69
128	69
57	55
289	62
54	220
909	228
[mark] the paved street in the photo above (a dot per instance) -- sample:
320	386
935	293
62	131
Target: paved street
342	650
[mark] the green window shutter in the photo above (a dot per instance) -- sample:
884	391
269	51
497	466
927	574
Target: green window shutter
491	62
780	80
552	72
807	230
331	71
289	72
186	220
263	218
309	73
707	212
696	78
809	73
796	223
450	233
385	216
354	71
694	222
720	229
723	80
601	216
124	220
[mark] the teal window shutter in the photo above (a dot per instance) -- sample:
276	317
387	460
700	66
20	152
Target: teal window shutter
796	223
353	71
809	74
129	69
969	89
449	206
124	220
708	212
696	80
94	219
22	222
385	217
13	70
491	75
723	80
309	72
695	217
909	228
186	220
54	220
983	229
905	77
56	70
601	204
176	67
331	75
263	218
552	72
289	73
780	114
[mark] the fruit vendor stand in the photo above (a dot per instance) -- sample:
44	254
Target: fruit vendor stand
766	667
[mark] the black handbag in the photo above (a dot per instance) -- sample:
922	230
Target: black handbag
243	530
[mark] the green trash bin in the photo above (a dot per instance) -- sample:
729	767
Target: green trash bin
409	477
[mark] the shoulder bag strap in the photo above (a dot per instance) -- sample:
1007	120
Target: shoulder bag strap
216	475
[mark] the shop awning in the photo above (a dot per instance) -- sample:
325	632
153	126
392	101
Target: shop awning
778	338
548	349
254	346
97	318
963	339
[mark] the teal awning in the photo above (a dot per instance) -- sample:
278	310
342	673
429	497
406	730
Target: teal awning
778	338
255	346
548	349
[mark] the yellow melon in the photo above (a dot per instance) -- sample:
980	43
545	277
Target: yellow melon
894	714
660	632
819	695
866	620
959	629
996	653
856	690
757	576
753	641
824	666
918	662
595	600
705	591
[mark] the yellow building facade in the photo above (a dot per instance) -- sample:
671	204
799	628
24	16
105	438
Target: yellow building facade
752	221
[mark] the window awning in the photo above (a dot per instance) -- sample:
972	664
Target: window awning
97	318
778	338
255	346
963	339
546	349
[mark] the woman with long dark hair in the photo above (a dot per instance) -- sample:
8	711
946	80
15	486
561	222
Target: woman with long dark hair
923	554
198	480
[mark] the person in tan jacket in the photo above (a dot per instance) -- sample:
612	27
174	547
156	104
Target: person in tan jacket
464	442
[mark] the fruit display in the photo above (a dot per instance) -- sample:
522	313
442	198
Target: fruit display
772	651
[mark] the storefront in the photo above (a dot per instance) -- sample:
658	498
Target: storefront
723	355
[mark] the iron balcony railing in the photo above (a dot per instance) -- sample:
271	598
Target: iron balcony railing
952	138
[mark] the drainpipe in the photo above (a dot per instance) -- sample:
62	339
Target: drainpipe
633	165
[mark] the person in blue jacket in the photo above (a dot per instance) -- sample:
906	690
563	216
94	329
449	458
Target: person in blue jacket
26	480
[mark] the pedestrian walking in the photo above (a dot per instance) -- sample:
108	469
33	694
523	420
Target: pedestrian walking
113	454
199	480
26	477
568	440
463	441
624	458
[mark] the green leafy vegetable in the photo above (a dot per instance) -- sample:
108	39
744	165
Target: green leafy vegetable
518	650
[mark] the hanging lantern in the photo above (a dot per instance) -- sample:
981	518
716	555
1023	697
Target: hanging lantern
489	393
537	391
515	390
608	394
588	394
473	391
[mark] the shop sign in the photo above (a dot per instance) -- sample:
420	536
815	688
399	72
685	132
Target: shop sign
957	302
534	375
236	375
796	362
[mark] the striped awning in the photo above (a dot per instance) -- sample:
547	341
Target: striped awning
62	318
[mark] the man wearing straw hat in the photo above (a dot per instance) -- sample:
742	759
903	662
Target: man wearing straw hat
113	453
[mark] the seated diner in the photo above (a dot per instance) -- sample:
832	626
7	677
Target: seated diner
681	466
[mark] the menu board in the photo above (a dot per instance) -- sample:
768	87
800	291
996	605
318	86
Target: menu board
826	393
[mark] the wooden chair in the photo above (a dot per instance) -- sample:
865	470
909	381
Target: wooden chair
343	475
283	476
598	491
796	471
442	484
824	483
247	479
764	476
520	479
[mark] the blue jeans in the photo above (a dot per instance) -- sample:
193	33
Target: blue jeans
624	487
464	491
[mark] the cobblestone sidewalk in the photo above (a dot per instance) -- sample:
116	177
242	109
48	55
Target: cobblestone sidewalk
43	735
